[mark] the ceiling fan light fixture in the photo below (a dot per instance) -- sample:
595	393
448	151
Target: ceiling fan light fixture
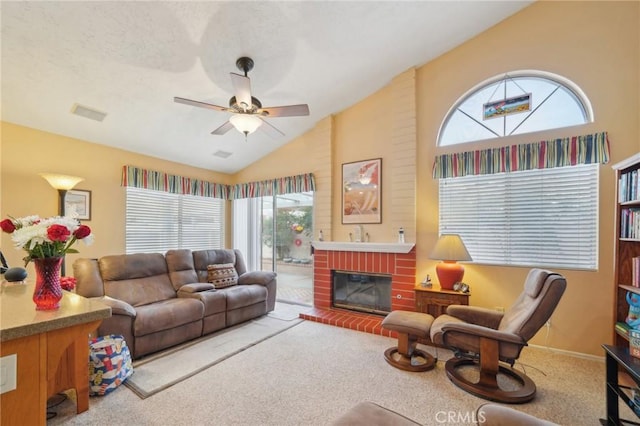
245	123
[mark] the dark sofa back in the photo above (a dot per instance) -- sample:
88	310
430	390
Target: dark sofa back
181	270
204	258
138	279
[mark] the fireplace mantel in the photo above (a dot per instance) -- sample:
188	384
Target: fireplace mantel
363	247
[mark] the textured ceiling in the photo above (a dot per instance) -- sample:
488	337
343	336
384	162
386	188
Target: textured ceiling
129	59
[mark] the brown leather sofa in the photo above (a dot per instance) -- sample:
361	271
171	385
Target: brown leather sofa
367	413
158	301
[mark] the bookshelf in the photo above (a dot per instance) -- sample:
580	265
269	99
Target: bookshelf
627	243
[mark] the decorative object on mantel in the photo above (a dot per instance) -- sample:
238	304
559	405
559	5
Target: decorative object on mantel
357	231
46	241
450	248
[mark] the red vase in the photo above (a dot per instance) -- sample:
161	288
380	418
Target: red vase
48	292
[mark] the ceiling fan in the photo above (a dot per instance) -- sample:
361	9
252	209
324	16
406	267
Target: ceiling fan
248	113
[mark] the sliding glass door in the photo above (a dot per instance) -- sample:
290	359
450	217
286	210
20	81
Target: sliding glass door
274	234
287	232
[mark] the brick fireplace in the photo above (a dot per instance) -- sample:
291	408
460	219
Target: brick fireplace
396	260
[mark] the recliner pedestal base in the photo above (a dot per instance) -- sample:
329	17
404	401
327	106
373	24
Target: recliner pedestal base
419	360
487	387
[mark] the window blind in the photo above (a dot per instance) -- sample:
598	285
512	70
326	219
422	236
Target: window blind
159	221
543	217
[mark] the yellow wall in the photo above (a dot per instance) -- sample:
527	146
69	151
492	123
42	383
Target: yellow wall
27	152
594	44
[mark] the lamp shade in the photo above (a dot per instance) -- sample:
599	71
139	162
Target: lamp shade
63	182
245	123
450	249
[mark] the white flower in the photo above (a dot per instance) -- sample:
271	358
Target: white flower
88	240
31	233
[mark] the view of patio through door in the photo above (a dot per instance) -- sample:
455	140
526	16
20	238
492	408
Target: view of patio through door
287	232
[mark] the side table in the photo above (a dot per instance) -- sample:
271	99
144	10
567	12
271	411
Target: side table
434	300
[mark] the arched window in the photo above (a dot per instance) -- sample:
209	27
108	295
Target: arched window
531	204
515	103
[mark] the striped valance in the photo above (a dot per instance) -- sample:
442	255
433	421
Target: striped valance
569	151
284	185
159	181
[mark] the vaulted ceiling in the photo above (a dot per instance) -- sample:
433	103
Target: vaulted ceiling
129	60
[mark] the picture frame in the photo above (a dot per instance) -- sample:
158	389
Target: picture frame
78	201
362	192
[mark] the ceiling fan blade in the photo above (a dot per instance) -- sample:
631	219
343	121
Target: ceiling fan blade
199	104
270	129
223	129
242	88
286	111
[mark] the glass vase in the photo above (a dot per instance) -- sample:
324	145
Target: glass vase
48	292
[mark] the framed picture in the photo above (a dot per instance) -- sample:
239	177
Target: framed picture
78	201
361	191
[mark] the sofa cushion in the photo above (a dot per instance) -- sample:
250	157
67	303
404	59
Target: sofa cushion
138	279
241	296
166	315
222	275
180	265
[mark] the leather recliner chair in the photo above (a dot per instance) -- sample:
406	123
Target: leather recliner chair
483	338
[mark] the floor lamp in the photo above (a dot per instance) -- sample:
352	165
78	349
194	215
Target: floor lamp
62	183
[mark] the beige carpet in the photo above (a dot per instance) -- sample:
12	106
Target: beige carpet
160	371
312	373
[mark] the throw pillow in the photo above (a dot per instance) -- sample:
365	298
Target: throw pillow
222	275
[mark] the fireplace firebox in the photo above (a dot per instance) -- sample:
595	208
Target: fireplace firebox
363	292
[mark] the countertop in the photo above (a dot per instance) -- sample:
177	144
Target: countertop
19	317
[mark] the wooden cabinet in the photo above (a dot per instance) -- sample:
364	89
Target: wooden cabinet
627	241
434	301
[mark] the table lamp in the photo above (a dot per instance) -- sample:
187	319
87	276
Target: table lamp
450	249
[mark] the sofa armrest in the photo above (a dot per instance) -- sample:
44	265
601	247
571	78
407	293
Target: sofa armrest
196	288
257	277
476	315
118	307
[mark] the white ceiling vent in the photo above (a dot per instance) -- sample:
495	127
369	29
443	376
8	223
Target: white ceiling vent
86	112
222	154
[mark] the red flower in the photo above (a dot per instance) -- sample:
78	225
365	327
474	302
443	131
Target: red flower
58	233
7	226
82	231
